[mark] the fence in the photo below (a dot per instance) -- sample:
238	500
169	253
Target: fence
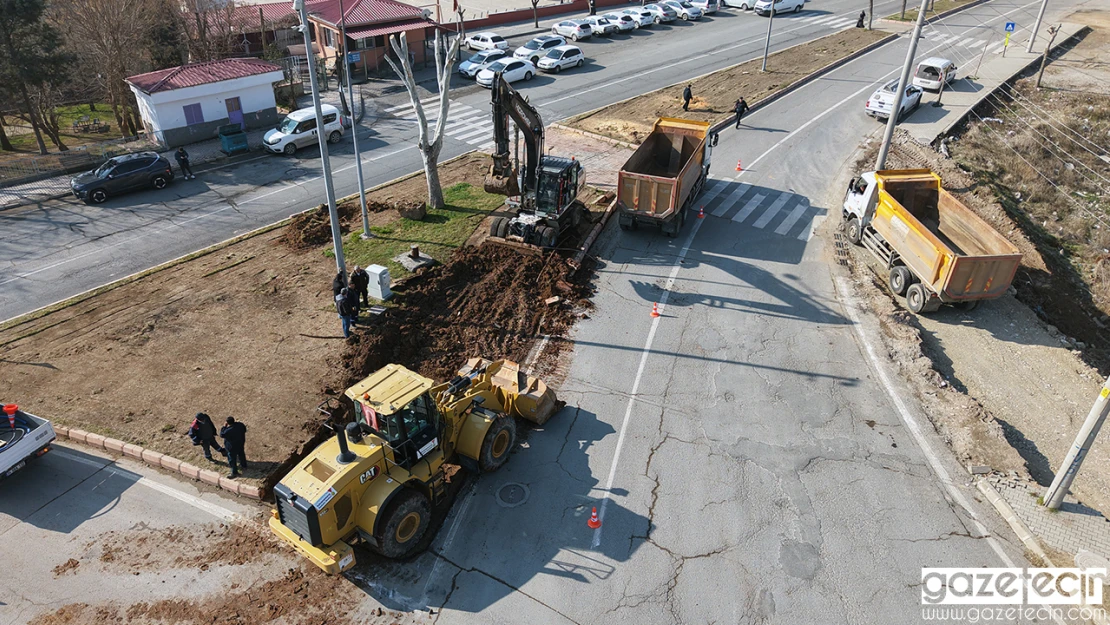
19	170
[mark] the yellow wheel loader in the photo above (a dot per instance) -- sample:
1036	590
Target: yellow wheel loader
375	482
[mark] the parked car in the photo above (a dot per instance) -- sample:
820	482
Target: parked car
763	7
661	12
644	19
881	102
928	73
707	6
601	25
562	57
298	130
479	61
143	170
743	5
486	41
573	30
535	49
511	70
623	21
684	9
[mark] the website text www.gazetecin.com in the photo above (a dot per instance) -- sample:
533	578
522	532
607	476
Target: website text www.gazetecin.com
1009	595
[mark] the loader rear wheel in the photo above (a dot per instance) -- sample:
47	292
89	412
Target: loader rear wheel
498	444
916	298
900	279
854	231
405	522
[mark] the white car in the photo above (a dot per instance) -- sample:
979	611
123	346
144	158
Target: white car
644	19
601	25
562	57
707	6
928	73
535	49
763	7
623	21
298	130
511	70
881	102
479	61
743	5
661	12
684	9
573	30
486	41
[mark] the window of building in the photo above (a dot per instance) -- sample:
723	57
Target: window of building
193	114
329	38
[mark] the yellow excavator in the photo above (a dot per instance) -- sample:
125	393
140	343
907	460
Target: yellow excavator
376	481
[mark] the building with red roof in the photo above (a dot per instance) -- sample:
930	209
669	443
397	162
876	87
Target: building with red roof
369	23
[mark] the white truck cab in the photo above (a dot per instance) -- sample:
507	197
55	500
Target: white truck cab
23	437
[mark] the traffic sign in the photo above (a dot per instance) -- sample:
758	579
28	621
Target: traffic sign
1011	27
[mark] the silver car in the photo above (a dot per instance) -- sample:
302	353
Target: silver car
479	61
661	12
684	9
573	30
706	6
623	21
644	19
601	26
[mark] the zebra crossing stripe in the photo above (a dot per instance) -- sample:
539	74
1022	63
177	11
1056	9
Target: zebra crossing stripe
488	147
807	232
774	209
995	46
793	217
978	43
712	190
408	105
841	23
731	200
827	18
473	132
748	208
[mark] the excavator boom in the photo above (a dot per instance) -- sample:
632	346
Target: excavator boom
508	105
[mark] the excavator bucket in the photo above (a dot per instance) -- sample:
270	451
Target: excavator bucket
521	395
504	185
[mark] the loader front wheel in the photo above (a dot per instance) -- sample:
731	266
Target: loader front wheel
498	444
405	522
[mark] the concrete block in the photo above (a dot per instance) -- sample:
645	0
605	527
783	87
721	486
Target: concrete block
112	444
251	492
210	477
170	463
95	440
133	451
76	435
229	485
976	469
189	470
61	430
153	458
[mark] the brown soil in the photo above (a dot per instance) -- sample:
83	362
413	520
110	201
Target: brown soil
147	549
68	566
715	94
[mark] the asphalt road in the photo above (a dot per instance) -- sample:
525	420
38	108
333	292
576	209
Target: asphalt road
62	247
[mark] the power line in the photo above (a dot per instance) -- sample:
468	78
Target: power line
1013	91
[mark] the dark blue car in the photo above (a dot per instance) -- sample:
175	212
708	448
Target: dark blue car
144	170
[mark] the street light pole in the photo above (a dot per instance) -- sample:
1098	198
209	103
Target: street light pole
896	109
1055	494
1036	26
336	235
767	44
354	128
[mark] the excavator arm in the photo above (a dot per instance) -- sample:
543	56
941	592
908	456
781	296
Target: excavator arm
510	105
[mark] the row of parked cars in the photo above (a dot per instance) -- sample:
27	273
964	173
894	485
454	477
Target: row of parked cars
552	53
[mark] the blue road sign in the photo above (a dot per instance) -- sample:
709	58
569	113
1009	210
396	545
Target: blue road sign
1011	27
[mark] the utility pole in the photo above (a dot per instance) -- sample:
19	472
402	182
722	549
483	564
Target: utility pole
896	109
1036	26
767	44
982	56
354	125
1044	57
1055	494
336	235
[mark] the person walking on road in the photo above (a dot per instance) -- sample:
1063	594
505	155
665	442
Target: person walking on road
347	313
235	440
740	108
360	282
687	95
203	433
183	162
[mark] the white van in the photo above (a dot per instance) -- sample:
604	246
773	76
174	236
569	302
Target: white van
928	73
763	7
298	130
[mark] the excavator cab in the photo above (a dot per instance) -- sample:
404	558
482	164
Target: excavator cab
557	185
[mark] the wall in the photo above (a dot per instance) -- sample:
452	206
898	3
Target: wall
525	15
372	59
184	135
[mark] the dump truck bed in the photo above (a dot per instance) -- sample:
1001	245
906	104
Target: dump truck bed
953	251
658	178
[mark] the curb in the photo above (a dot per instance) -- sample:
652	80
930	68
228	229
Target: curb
576	262
159	461
1017	525
593	135
938	16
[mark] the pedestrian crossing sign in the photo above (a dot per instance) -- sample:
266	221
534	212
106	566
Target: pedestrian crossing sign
1011	27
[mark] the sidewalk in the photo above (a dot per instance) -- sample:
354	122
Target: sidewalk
1074	528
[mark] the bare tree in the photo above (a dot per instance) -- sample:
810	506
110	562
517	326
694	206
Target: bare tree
536	14
429	146
903	10
870	13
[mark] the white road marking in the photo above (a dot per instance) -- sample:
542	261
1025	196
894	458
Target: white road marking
715	187
474	132
488	147
807	232
772	210
731	200
408	105
793	217
749	207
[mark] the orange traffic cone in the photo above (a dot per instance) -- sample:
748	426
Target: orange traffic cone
701	213
739	167
594	522
655	309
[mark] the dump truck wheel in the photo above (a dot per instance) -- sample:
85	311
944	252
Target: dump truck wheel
854	231
404	524
498	444
969	305
900	279
916	298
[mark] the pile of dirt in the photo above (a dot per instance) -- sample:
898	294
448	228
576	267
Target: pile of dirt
68	566
484	301
313	228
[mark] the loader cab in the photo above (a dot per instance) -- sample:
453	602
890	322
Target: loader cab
413	432
557	184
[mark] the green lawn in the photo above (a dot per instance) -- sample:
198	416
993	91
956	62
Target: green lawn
66	116
438	234
937	6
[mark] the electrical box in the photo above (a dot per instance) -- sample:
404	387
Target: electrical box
379	282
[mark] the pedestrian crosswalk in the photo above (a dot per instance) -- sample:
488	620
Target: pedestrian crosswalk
464	123
966	40
830	21
783	212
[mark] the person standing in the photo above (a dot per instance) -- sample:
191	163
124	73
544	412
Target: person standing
337	284
183	162
593	9
360	282
740	108
862	17
687	95
203	433
235	440
352	301
343	306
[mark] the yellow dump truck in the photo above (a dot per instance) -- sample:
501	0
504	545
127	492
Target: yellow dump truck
937	251
664	175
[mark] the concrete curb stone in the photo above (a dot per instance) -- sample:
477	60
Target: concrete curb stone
1016	524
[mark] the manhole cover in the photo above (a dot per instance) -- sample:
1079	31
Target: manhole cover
512	495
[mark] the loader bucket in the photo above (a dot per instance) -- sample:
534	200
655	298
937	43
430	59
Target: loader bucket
503	185
521	395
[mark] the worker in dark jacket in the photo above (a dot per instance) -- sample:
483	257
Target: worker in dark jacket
183	162
337	284
203	433
687	95
235	439
862	17
360	282
347	307
740	108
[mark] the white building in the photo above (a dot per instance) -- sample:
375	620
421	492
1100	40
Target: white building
185	104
